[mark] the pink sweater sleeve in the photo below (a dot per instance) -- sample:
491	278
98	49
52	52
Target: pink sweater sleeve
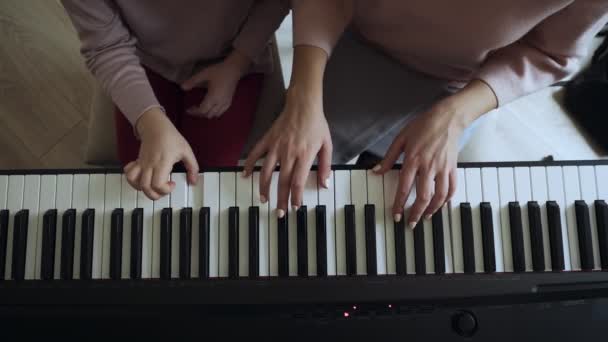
320	23
547	54
264	19
109	51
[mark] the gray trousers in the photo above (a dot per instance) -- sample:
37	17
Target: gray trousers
369	97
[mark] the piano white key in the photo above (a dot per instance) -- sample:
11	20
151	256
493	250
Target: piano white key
375	195
410	248
128	201
14	204
459	197
97	184
523	194
506	185
573	193
179	200
244	200
227	200
158	205
447	240
292	238
196	202
475	197
3	191
211	198
273	236
265	218
48	188
80	202
311	200
601	173
147	205
541	196
358	185
31	201
589	195
343	198
491	195
64	202
555	187
326	198
391	180
429	258
113	190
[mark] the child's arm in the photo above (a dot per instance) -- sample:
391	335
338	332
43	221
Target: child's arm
109	51
221	79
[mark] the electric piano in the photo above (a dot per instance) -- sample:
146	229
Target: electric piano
520	252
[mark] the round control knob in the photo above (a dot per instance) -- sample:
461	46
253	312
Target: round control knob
464	323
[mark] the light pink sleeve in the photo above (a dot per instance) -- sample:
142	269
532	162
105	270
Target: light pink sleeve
109	52
547	54
264	19
320	23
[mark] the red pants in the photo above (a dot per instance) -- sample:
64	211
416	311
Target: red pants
216	142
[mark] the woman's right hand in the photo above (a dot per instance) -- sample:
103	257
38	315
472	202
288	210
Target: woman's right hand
161	147
297	137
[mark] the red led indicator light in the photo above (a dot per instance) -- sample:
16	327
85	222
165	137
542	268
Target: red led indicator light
390	306
346	315
354	307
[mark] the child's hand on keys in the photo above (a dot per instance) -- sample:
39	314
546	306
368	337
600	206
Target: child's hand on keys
221	81
161	147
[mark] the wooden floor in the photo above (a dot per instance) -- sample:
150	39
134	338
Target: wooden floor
45	90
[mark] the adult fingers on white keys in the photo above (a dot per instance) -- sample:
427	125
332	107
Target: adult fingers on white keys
268	168
442	181
407	176
285	177
298	180
191	165
259	150
424	194
324	171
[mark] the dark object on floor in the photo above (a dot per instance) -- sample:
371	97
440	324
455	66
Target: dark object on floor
587	97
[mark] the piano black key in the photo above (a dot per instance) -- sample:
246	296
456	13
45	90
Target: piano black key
601	216
302	230
419	255
254	242
321	225
438	246
585	245
370	239
68	233
351	240
49	233
86	244
185	243
20	244
203	247
536	237
400	264
283	245
468	246
487	236
137	240
555	236
233	242
4	214
116	231
517	237
166	221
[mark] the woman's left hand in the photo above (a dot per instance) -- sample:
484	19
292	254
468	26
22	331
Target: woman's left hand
430	145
